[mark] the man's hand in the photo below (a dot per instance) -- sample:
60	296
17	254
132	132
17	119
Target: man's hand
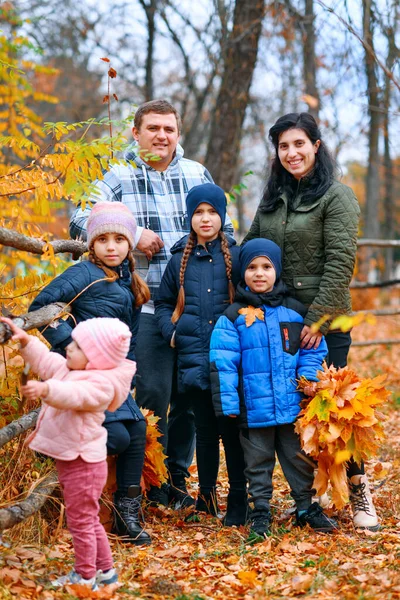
35	389
19	335
149	243
308	339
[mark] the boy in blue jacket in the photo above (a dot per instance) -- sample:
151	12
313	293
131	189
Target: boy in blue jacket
256	359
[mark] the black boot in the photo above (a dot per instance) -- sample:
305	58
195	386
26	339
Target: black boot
207	502
178	495
237	507
127	521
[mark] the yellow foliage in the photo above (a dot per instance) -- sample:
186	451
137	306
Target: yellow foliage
154	470
340	422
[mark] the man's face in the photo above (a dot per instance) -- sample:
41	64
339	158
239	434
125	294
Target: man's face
158	135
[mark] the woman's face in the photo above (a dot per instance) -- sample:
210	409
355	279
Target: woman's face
297	152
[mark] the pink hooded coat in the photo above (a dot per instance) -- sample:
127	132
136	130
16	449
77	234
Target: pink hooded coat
70	421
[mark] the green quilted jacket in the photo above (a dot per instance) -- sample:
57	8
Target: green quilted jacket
318	243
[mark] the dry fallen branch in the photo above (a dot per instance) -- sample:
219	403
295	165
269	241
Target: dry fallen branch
37	318
18	426
19	241
18	512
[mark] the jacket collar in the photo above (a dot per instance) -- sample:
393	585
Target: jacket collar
274	298
210	246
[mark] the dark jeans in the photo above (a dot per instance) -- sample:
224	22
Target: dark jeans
209	430
156	391
338	349
127	439
260	445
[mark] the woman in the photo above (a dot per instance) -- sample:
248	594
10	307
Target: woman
314	219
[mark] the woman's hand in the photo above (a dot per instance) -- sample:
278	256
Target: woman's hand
19	335
309	339
35	389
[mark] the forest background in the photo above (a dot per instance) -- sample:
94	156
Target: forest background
70	78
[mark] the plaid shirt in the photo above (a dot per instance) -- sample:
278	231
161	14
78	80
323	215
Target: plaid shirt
158	201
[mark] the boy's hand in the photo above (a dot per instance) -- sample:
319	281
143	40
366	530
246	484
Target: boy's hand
310	388
35	389
19	335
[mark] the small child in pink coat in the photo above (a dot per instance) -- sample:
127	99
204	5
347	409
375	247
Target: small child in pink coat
96	376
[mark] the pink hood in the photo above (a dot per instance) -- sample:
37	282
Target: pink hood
70	421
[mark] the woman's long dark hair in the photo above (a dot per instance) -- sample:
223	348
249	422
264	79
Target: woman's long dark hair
318	181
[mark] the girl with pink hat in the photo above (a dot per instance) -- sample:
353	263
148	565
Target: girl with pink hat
107	285
76	390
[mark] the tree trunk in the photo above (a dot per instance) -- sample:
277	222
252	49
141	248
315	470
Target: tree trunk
150	10
240	60
389	202
309	63
371	229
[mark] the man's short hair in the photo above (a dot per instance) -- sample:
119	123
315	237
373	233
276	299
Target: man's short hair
161	107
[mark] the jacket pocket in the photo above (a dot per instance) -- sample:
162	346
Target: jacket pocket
306	282
290	335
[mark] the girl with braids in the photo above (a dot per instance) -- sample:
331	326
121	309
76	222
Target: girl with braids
107	285
196	288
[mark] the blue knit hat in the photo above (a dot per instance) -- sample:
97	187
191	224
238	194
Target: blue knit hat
210	193
260	247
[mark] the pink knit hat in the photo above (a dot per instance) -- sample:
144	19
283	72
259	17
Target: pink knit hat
111	217
104	341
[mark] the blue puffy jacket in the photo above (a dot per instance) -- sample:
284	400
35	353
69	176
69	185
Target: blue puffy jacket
254	368
206	298
101	299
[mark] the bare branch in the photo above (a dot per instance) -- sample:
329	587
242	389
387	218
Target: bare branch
37	318
12	515
34	245
15	428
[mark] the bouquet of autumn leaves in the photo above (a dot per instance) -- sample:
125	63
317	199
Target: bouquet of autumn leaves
339	421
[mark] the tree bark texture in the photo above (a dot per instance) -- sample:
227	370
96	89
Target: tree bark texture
15	428
19	241
12	515
33	320
240	60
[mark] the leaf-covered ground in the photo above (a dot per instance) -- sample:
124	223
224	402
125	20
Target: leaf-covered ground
205	560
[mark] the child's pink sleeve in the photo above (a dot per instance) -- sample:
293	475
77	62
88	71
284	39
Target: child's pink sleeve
43	362
86	396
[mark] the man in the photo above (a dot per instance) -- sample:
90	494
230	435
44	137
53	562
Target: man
154	184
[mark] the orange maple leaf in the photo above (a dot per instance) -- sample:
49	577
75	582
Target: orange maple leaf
251	314
154	470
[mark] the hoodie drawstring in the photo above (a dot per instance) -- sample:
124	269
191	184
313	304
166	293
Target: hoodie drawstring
182	193
144	171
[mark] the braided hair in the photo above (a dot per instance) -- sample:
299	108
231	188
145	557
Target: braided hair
190	244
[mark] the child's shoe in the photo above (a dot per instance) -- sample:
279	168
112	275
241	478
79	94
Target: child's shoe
260	521
178	496
127	519
106	577
237	507
74	578
364	513
315	517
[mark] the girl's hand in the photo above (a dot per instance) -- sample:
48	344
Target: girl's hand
308	339
35	389
232	416
19	335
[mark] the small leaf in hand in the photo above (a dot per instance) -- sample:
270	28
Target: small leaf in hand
112	73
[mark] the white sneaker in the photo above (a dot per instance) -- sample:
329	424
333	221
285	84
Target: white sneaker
74	577
364	513
110	576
